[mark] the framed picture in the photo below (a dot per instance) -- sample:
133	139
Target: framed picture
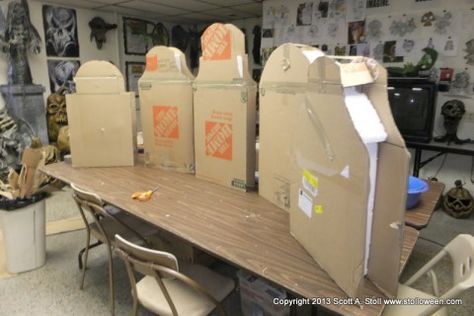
60	29
134	32
134	71
61	74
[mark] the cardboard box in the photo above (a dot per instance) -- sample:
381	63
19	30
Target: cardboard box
315	164
101	116
257	295
224	116
166	100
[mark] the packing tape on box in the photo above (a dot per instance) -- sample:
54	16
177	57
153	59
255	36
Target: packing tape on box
147	84
319	128
326	87
224	85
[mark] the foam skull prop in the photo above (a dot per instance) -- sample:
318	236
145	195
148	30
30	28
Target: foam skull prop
56	114
452	111
98	29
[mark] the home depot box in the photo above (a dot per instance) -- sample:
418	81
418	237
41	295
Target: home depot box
257	297
224	110
101	118
315	163
166	100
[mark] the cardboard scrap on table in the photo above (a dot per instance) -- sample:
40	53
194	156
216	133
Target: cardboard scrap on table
29	181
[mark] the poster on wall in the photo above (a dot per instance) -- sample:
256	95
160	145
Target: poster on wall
60	29
134	36
355	32
355	10
134	71
304	14
61	74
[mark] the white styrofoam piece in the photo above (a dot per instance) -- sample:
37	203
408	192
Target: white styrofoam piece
240	66
371	131
311	55
365	118
177	59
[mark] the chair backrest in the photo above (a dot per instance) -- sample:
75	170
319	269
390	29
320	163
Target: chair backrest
461	251
159	265
92	204
145	258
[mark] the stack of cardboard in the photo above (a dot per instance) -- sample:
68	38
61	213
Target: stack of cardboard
224	116
315	163
166	100
101	118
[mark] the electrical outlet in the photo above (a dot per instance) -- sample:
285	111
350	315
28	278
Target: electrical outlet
469	116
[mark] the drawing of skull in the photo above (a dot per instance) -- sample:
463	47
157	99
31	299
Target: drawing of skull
61	31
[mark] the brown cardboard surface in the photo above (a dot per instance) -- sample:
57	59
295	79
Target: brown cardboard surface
390	197
102	125
98	77
225	110
166	100
280	90
311	154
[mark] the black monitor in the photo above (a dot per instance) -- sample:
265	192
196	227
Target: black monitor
412	101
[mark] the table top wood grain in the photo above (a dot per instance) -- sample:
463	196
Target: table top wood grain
419	216
240	228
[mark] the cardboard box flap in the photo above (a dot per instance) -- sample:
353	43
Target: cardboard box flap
289	62
331	210
223	54
350	71
166	63
392	179
99	77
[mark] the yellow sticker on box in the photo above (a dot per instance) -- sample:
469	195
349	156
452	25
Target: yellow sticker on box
310	182
318	209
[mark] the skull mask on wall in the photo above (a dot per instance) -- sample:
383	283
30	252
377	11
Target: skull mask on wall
57	115
98	29
61	29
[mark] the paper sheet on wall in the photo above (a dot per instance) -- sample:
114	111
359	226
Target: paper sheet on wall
355	10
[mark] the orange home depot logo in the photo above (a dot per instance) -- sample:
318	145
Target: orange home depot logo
216	43
165	121
219	140
151	63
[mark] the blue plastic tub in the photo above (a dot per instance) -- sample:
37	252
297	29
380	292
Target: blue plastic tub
416	186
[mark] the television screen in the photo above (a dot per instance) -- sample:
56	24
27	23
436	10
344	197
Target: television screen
412	103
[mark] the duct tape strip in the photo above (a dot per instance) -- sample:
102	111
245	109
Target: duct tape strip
237	84
303	87
319	128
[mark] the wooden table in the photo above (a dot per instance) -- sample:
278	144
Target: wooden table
240	228
419	216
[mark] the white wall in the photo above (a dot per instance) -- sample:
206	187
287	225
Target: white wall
456	166
87	49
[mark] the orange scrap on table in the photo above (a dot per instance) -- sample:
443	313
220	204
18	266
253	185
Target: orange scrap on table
143	196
